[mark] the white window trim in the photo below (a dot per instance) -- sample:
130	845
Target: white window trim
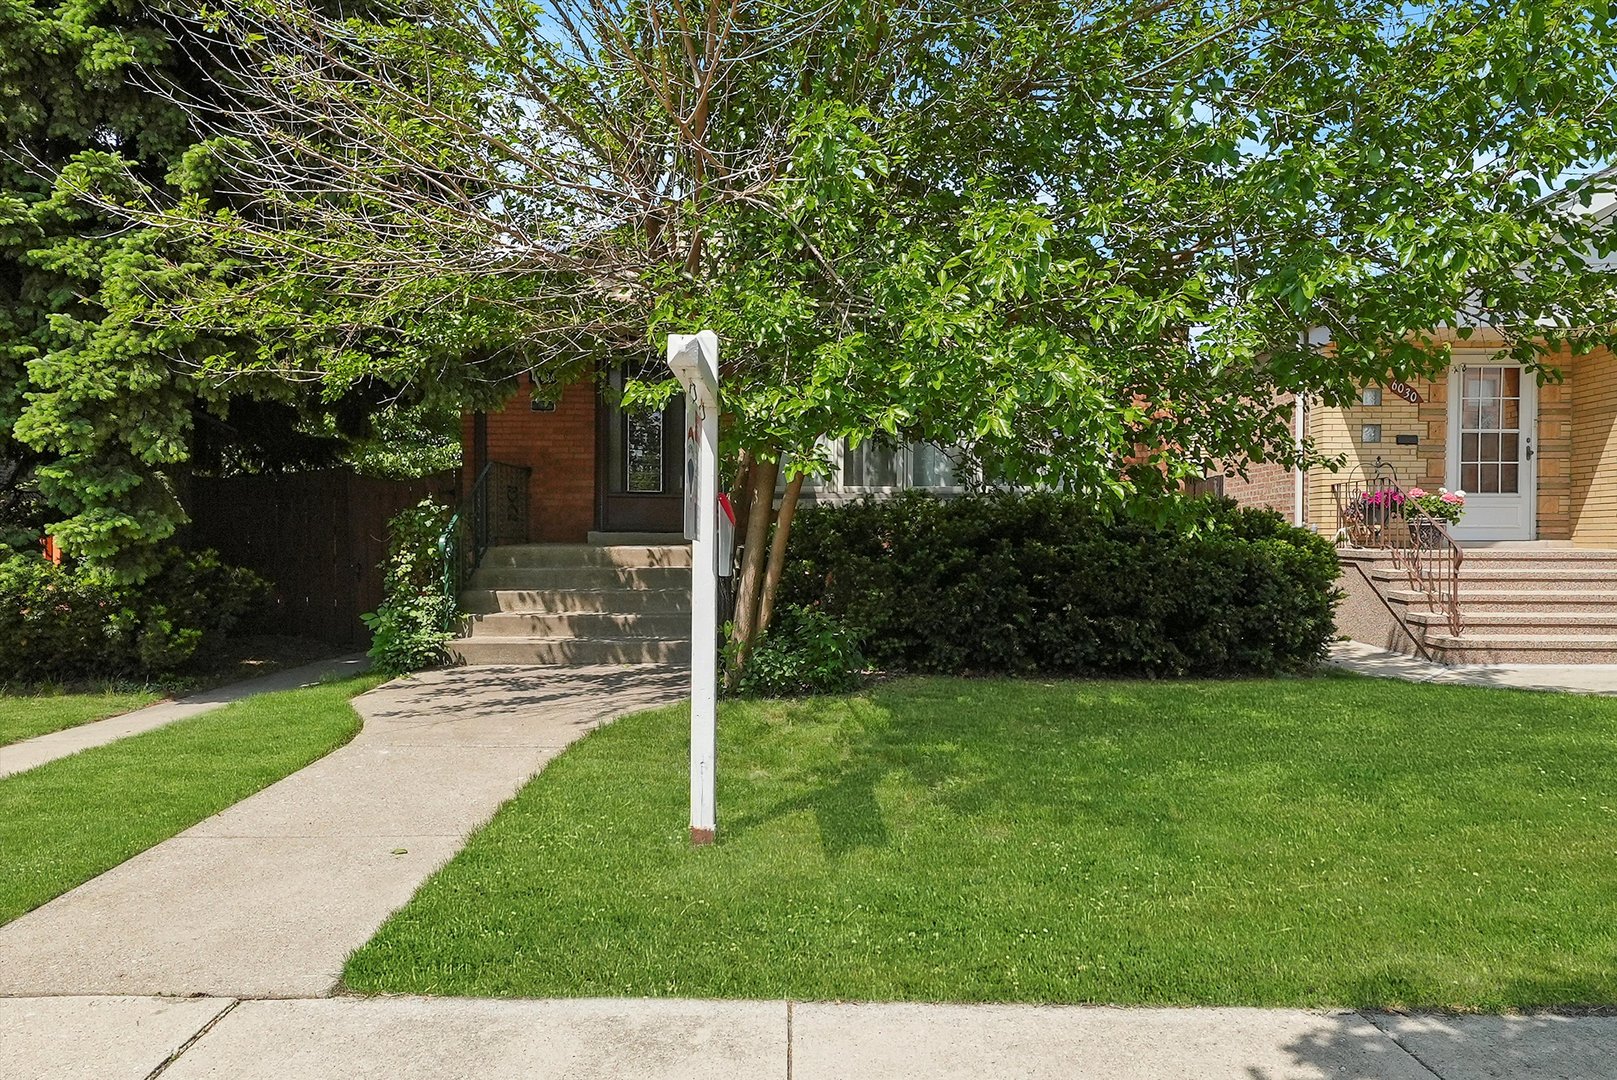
904	465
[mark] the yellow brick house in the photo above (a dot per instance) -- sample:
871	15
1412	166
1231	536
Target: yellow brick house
1538	462
1529	573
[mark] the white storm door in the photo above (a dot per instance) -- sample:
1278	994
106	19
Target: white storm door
1493	418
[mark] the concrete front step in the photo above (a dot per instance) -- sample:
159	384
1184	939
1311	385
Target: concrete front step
1539	578
561	601
1548	556
1523	649
580	577
621	539
1512	578
589	624
575	555
1488	599
569	650
1520	623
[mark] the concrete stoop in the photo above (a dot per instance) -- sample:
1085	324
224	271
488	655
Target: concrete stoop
578	604
1517	606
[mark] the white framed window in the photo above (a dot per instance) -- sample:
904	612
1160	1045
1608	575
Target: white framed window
873	466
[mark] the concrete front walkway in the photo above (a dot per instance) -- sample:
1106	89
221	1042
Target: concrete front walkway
136	1038
1573	678
20	756
268	898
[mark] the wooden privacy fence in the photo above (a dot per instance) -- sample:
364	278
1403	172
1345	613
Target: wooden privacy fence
319	537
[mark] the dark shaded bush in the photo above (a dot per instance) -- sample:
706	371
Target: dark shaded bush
1027	583
69	622
805	652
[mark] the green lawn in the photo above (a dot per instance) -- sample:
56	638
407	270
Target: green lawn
23	716
69	820
1319	842
30	710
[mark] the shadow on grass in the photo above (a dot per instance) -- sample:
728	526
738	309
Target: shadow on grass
982	767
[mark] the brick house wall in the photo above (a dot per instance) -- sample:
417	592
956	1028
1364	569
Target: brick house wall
1592	492
1558	405
1338	432
1269	485
559	446
1575	455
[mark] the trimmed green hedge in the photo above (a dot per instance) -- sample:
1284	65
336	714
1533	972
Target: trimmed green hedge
1030	583
71	622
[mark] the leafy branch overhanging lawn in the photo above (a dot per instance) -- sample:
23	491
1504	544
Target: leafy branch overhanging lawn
1317	842
69	820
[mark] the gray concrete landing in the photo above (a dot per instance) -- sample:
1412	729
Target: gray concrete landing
1381	663
268	898
632	1039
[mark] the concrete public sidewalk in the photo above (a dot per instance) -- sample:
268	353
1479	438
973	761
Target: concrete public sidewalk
134	1038
30	753
268	898
1572	678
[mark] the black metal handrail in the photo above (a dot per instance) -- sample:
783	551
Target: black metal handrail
494	511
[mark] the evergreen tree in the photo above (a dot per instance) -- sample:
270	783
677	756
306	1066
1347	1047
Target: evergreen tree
103	402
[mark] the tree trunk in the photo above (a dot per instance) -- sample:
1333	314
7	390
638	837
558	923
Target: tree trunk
777	555
762	498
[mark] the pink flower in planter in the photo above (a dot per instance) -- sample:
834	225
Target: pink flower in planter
1453	497
1388	498
1416	493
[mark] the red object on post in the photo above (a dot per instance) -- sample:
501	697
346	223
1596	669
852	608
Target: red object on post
724	504
53	553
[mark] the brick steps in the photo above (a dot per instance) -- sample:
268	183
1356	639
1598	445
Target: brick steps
1522	578
1520	623
578	604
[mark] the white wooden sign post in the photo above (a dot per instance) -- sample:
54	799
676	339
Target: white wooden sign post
694	359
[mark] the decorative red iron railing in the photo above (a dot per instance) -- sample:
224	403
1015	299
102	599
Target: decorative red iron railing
1425	551
1370	514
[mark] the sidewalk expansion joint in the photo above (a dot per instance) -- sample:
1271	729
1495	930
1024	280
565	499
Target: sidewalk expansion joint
163	1065
1370	1019
789	1006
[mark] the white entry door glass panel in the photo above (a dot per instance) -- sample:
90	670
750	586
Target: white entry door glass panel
1493	415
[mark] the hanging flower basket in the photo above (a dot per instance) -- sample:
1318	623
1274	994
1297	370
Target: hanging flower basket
1440	505
1427	511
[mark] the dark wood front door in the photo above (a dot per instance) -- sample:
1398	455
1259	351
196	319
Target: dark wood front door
641	464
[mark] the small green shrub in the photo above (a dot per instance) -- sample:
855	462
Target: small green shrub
73	622
805	652
409	629
1040	582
